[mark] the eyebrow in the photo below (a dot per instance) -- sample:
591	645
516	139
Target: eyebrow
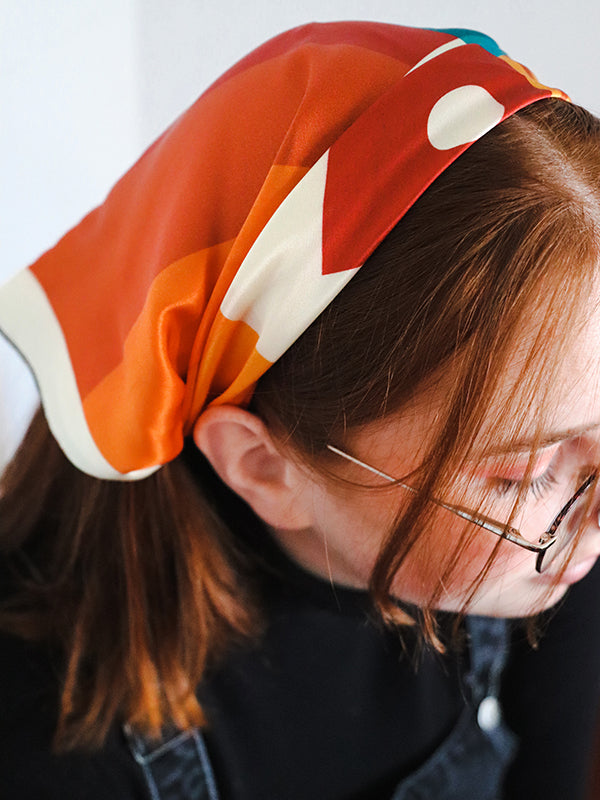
547	440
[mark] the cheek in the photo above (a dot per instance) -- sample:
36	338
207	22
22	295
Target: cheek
484	556
368	521
435	559
449	559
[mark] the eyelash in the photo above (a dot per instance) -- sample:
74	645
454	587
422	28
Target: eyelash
538	487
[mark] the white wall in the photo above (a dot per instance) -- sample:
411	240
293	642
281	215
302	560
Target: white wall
69	125
186	44
85	85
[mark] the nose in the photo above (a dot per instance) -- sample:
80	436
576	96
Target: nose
593	524
594	507
595	503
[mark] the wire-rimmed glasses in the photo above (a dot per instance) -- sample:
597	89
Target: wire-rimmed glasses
548	546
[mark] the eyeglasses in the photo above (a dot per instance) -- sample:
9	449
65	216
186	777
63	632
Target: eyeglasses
548	546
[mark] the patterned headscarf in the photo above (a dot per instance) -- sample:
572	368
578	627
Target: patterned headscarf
240	224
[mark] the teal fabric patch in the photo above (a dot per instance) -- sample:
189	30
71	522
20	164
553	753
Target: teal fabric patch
474	37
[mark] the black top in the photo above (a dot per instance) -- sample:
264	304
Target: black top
326	705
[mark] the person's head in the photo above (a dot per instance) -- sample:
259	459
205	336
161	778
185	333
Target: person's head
472	330
345	269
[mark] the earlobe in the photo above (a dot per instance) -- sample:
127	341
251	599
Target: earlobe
243	453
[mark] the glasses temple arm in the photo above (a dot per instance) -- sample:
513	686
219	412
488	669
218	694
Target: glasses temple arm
492	525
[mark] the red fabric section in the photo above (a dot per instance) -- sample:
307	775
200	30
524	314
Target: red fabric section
384	161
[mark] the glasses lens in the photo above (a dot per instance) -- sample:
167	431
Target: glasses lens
565	527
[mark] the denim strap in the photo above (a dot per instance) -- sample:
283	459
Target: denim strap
488	651
176	766
470	764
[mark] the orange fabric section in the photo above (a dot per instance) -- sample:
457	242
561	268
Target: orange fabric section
527	73
220	379
131	434
167	339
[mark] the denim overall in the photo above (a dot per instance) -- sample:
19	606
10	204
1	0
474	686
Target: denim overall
468	765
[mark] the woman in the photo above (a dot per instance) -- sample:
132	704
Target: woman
323	373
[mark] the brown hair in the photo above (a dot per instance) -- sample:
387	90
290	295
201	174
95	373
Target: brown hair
505	242
142	584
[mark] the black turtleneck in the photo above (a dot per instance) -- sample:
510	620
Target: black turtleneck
326	704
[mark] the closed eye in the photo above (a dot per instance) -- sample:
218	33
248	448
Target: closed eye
538	487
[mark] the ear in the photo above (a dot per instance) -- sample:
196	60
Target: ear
243	454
